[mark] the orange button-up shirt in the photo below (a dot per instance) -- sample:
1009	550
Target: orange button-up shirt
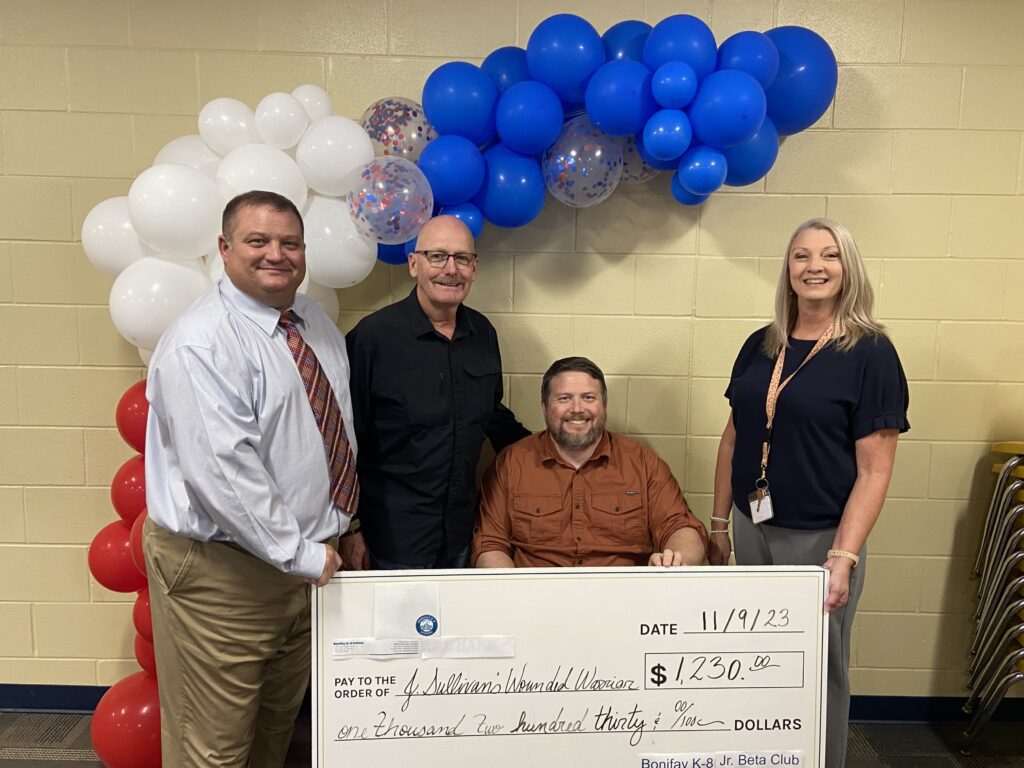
618	508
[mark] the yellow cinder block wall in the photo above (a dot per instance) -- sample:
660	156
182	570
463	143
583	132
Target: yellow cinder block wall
920	154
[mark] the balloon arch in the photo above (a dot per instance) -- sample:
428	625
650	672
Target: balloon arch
573	115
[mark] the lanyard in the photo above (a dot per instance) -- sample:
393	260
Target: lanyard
775	388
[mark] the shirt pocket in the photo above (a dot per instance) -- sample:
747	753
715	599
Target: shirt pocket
536	519
620	517
427	396
481	381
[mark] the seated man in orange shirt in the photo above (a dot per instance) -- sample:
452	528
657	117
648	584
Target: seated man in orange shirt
578	495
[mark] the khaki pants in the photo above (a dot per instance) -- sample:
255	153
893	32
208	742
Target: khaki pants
231	635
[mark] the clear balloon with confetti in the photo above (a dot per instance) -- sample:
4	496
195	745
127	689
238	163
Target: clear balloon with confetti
634	169
397	127
389	199
584	165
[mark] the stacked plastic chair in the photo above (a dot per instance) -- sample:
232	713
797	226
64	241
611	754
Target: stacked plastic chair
997	653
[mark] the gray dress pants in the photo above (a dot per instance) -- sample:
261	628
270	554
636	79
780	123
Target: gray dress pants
771	545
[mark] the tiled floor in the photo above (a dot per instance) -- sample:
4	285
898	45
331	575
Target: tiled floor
62	741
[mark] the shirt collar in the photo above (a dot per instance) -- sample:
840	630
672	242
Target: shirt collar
550	453
421	325
263	316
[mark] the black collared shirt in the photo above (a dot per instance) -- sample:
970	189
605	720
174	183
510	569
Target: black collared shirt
423	405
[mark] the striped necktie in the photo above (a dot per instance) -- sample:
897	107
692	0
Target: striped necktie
341	463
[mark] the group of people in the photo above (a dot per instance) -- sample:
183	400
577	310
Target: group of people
279	451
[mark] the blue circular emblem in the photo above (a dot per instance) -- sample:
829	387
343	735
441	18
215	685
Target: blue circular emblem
426	625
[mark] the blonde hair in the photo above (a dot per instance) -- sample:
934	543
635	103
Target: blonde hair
854	309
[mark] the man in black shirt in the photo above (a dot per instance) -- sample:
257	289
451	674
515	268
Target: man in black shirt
426	390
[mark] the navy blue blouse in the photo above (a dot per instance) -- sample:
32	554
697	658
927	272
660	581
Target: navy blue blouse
836	399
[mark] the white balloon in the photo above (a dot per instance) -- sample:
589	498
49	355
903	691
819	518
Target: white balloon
327	298
226	124
331	149
145	355
337	255
150	294
108	237
176	210
257	166
281	120
189	150
314	100
214	267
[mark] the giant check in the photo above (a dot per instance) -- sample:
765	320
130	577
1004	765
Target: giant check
637	667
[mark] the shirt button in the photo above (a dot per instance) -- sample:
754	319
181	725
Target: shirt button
577	506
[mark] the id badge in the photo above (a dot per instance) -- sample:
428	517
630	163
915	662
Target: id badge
760	505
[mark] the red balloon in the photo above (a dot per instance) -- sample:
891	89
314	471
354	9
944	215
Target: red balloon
126	724
135	540
141	617
110	559
145	655
128	489
131	414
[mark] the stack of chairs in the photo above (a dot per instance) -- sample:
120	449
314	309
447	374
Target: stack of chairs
997	662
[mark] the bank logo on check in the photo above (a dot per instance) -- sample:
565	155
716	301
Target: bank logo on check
426	625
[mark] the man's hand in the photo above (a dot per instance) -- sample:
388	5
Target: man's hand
354	554
670	558
331	565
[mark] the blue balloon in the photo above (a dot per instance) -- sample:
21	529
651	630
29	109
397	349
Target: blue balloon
753	53
702	170
513	190
619	99
668	134
651	160
469	214
459	98
454	167
728	109
625	40
682	195
752	159
806	82
563	52
394	254
529	117
674	84
682	38
506	67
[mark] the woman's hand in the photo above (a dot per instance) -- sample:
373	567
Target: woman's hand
838	582
719	547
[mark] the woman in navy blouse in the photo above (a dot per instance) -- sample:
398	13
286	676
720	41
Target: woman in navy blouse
818	401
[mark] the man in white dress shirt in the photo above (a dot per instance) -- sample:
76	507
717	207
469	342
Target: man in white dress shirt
241	516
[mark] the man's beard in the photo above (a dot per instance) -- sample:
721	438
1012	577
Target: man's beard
576	441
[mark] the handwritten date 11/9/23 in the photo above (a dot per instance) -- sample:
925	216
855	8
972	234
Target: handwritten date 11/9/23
744	620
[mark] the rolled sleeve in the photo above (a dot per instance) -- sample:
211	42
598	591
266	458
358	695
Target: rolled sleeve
668	509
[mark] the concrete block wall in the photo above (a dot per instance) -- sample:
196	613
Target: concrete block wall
920	154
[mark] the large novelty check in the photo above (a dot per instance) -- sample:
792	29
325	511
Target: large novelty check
624	667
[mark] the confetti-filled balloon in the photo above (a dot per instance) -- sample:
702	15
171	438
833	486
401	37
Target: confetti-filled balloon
391	200
634	169
584	165
397	126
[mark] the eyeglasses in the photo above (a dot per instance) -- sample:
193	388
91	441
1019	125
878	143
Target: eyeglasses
440	258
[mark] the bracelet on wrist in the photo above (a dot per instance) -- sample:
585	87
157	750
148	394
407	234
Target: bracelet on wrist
843	553
720	520
722	531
